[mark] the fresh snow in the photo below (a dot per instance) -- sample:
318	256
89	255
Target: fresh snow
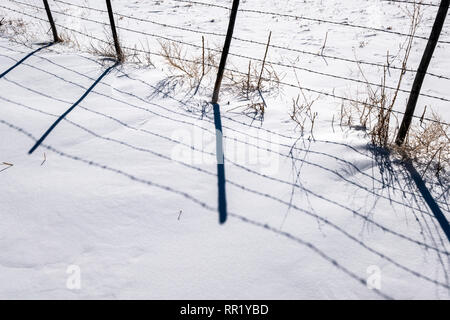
125	187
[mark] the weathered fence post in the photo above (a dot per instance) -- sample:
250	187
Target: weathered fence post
222	206
120	56
52	22
421	72
226	49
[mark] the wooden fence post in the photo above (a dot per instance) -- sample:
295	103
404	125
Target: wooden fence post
421	72
120	56
226	49
52	22
217	120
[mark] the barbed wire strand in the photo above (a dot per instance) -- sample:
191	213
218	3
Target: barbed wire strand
285	15
249	57
328	94
320	55
413	2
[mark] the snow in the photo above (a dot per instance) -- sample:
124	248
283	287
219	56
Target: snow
125	187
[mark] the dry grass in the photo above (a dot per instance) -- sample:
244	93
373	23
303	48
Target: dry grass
137	55
374	112
251	84
427	142
261	78
16	30
12	26
192	69
254	108
302	113
107	49
141	56
69	39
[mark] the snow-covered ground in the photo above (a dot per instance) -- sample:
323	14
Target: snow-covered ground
125	187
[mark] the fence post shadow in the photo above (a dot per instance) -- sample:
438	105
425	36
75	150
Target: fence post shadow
220	165
217	120
382	158
53	126
46	45
434	207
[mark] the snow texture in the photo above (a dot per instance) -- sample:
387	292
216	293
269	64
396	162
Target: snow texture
125	186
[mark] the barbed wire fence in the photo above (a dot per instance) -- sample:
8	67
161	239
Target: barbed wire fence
250	41
228	37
